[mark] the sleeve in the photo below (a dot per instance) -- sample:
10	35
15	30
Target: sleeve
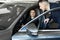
50	17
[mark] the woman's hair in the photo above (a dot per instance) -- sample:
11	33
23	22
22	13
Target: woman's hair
34	10
31	9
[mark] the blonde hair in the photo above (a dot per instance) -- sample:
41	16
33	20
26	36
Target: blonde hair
47	6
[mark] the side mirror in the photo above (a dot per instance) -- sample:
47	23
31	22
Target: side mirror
32	30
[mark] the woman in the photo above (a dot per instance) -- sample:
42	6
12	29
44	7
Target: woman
32	15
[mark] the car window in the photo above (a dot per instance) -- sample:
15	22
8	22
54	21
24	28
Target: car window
4	11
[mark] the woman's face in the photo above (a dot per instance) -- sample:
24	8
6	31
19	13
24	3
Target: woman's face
32	13
42	5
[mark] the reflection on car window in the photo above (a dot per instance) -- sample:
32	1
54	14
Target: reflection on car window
8	14
4	11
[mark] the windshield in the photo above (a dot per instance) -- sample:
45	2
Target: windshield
8	13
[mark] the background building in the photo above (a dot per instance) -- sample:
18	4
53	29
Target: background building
25	0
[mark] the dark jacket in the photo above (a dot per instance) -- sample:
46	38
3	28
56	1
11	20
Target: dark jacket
35	22
41	19
55	15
